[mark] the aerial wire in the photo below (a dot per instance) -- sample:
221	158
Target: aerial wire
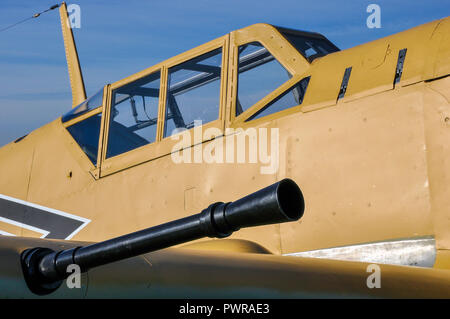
29	18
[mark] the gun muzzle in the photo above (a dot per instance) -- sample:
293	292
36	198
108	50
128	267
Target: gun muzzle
281	202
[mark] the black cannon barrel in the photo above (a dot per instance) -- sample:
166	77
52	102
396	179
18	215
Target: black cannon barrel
281	202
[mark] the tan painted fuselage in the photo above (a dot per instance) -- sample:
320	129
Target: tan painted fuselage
373	166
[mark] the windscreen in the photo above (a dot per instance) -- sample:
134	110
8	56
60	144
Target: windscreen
89	104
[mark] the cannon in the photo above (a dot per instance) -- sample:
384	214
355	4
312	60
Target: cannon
44	269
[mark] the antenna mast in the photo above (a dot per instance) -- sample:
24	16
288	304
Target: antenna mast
73	63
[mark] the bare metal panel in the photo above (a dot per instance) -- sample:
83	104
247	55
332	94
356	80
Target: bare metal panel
419	252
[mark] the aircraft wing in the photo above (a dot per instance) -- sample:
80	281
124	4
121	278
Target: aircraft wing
195	273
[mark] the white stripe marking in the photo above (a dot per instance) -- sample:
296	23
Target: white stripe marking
35	229
4	233
47	209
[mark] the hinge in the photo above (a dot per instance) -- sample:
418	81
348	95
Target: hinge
344	83
399	68
95	173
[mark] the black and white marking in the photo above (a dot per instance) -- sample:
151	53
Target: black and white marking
51	223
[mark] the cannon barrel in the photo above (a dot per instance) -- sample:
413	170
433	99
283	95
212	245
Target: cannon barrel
283	201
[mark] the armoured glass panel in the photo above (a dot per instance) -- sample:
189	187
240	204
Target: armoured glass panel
89	104
193	92
134	115
86	133
310	47
292	97
259	74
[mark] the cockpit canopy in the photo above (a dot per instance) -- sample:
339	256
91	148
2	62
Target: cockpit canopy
191	89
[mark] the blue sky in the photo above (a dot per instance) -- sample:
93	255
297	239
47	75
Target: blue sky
119	38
